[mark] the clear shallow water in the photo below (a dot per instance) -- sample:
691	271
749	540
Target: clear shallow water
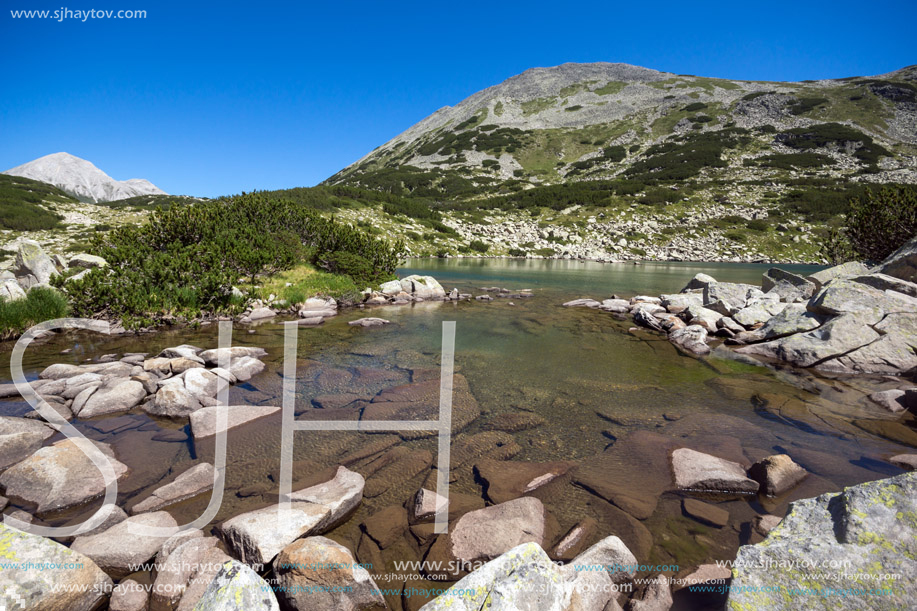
611	399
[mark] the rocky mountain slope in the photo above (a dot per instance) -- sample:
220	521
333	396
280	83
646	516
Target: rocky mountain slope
82	179
582	121
611	161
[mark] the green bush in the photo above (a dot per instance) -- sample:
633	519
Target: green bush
183	261
517	252
573	108
694	107
804	105
757	225
478	246
357	267
879	223
20	200
41	304
735	236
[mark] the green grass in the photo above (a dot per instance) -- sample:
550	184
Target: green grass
537	105
610	88
306	281
41	304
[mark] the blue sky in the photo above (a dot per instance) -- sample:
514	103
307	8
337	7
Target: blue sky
210	99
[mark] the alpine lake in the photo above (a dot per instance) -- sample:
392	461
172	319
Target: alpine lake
545	384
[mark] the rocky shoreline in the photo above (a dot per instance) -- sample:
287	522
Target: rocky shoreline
845	320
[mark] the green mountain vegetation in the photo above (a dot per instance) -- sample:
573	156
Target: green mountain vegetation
185	260
28	205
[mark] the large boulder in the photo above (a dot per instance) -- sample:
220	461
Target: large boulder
484	534
237	588
845	270
846	295
732	295
258	536
790	287
895	352
776	474
10	290
175	568
32	260
424	287
20	438
45	575
115	397
214	356
884	282
839	336
692	338
694	470
58	476
525	579
699	315
86	261
119	550
902	263
318	573
867	531
795	318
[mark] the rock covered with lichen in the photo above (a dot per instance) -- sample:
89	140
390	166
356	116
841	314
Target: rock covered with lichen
851	550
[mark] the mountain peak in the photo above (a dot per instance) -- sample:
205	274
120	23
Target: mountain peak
82	178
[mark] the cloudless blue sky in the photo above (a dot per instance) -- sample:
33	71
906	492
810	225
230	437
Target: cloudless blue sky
216	98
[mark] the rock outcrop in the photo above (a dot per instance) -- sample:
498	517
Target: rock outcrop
867	532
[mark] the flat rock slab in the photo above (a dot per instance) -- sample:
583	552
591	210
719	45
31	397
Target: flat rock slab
420	401
258	536
237	588
194	481
204	420
698	471
214	356
81	586
118	549
20	438
59	476
341	495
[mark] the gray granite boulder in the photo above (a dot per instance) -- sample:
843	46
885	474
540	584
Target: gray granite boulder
692	338
20	438
845	270
865	530
237	588
57	578
119	551
58	476
776	474
112	398
204	421
902	263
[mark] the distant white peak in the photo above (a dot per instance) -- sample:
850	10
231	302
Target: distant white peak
82	179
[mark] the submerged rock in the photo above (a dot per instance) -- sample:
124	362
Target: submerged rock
863	530
194	481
